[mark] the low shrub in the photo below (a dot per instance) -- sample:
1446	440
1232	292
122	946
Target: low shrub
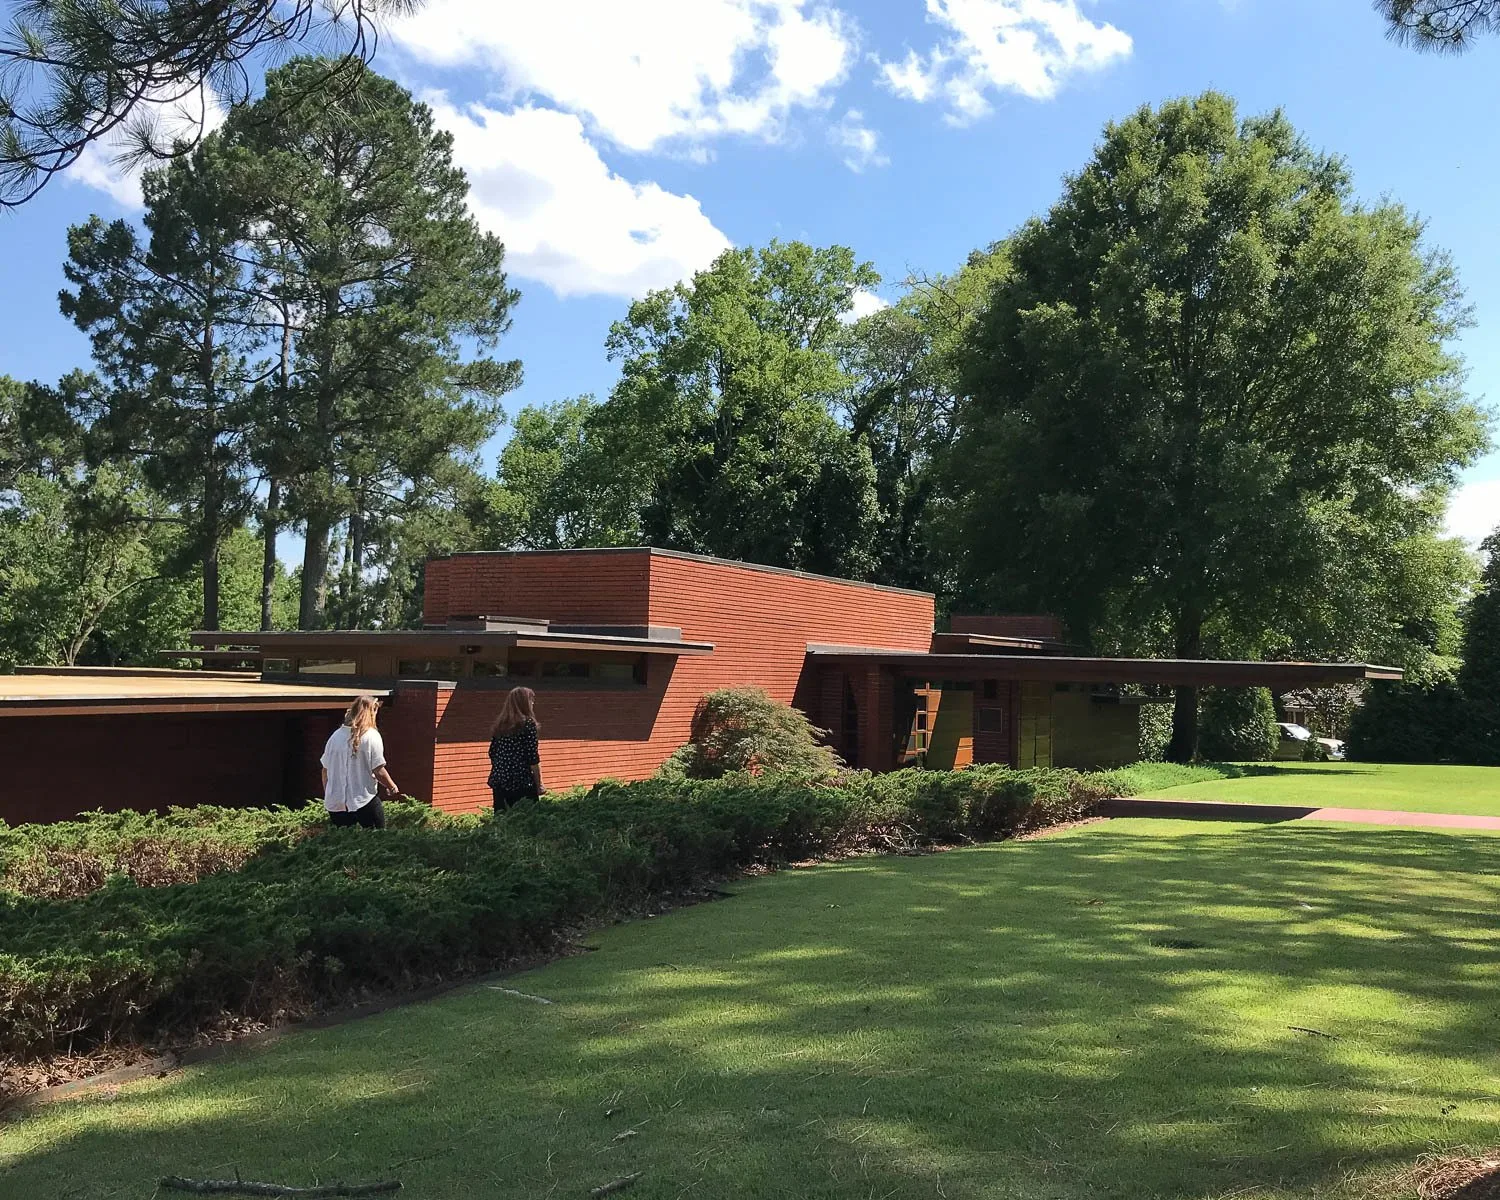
1237	725
302	921
746	729
1408	723
69	859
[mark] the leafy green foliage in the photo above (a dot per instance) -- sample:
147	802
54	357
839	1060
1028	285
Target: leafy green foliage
71	550
904	365
1408	723
1211	401
1155	732
744	729
1479	677
720	426
306	920
557	488
1238	725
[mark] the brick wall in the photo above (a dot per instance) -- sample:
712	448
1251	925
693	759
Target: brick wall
572	587
760	622
58	767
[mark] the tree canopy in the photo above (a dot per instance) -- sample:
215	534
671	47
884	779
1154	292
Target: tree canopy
1479	677
1211	398
721	427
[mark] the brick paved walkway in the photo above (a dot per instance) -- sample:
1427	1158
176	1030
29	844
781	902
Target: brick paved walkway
1219	811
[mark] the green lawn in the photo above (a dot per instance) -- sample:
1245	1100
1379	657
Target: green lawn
1469	790
1007	1021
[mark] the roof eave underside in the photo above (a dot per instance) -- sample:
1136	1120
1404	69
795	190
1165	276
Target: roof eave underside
1060	669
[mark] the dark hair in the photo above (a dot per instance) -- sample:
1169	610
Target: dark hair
518	709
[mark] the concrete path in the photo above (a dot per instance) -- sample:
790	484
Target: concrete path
1219	811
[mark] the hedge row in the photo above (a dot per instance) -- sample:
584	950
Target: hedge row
68	859
307	921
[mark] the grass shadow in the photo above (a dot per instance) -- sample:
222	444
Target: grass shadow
1115	1011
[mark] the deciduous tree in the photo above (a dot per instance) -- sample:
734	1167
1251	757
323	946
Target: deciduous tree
1212	390
721	422
1479	677
903	363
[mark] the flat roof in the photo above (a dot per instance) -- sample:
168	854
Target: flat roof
1071	669
658	552
102	691
445	640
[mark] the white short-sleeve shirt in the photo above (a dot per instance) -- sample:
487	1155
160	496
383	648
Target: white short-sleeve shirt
351	777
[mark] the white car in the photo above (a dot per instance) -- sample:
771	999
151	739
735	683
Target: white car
1294	739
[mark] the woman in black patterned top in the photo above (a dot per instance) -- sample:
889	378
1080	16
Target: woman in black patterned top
515	760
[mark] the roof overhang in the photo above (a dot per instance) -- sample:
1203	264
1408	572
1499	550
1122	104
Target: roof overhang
288	644
1056	668
38	693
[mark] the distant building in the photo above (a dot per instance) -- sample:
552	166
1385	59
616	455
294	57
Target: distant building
620	646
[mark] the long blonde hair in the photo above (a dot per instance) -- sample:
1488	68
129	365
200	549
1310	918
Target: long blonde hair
360	718
519	707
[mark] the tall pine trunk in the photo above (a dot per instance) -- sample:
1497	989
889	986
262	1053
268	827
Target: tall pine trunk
314	572
270	528
213	492
356	558
211	582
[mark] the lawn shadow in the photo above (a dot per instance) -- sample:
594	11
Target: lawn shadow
1114	1012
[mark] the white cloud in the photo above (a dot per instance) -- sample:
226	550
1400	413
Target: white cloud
1474	511
566	219
100	165
860	143
1025	46
865	303
646	76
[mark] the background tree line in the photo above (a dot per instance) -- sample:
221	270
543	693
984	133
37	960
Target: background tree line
1206	406
298	335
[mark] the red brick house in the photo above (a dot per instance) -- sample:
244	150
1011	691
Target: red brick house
620	646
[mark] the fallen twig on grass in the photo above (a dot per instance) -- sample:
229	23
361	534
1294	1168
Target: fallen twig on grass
1332	1037
629	1133
615	1185
244	1187
521	995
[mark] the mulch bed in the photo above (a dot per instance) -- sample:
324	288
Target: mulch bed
1457	1178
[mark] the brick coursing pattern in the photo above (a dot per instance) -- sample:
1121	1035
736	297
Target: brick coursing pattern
760	622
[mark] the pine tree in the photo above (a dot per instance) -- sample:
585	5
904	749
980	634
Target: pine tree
73	72
365	246
174	329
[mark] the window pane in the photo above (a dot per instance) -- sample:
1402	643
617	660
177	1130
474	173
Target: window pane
490	670
565	670
326	666
430	668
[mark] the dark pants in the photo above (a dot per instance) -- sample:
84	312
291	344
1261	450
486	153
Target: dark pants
510	797
369	816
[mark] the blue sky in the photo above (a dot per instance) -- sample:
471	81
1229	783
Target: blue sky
617	146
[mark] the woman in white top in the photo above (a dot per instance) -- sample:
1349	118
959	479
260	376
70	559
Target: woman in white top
354	774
